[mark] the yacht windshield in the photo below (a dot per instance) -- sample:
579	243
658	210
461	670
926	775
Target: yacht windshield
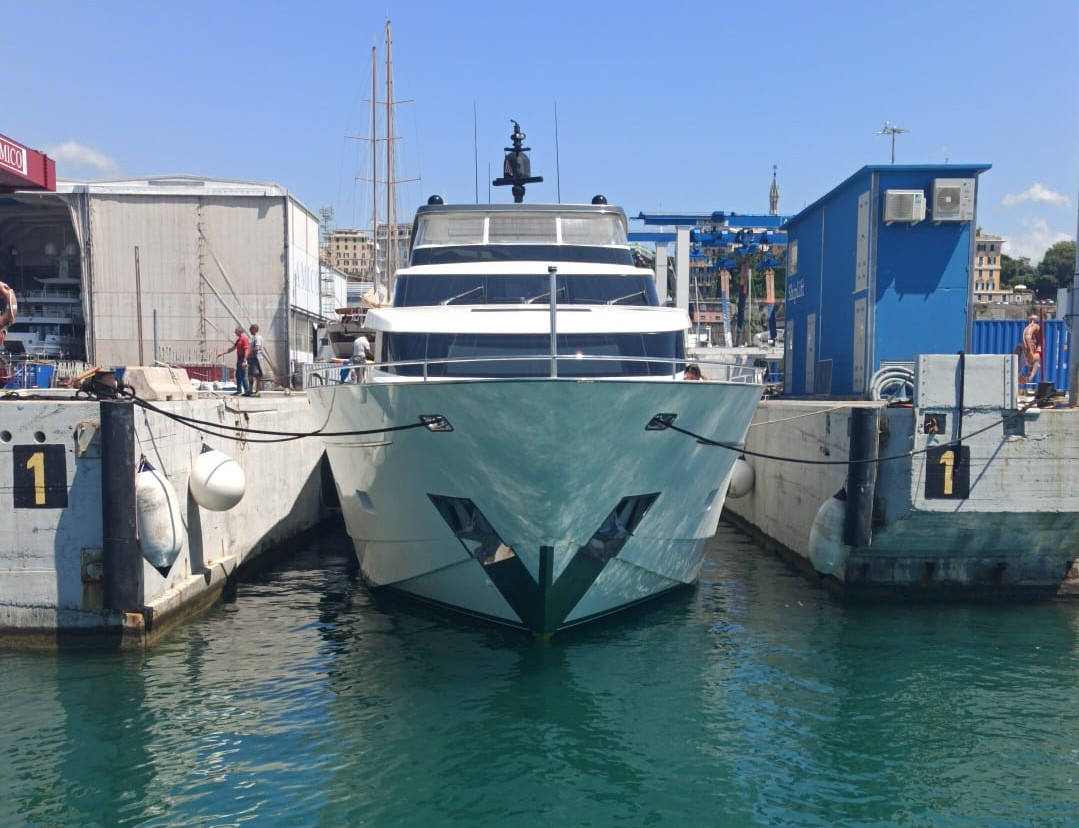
622	289
521	226
528	355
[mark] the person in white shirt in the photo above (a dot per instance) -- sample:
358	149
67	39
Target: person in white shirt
361	350
254	365
361	355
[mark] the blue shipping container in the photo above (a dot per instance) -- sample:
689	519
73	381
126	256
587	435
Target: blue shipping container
31	375
1000	336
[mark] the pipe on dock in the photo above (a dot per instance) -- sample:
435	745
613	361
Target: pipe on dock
861	476
121	559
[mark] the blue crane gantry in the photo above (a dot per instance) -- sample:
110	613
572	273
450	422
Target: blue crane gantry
718	242
724	237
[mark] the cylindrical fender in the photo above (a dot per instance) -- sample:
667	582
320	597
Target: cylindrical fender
742	479
158	518
827	552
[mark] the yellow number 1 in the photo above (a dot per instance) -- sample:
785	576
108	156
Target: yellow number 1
36	464
948	459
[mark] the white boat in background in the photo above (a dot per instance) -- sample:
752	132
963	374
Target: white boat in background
33	344
50	325
344	328
508	454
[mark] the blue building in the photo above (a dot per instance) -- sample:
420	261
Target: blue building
878	271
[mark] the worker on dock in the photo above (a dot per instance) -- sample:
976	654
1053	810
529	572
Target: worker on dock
1032	350
254	366
240	346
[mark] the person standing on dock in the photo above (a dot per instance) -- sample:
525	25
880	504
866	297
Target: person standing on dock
240	346
1032	350
254	364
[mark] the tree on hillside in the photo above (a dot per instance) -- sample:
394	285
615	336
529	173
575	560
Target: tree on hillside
1016	272
1044	286
1058	263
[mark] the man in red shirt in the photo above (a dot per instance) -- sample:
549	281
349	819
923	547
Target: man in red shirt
240	347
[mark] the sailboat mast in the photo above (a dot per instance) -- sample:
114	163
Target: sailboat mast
391	206
374	165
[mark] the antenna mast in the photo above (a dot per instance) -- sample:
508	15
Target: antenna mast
893	131
557	162
374	164
391	199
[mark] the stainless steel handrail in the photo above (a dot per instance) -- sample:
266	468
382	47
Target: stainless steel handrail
338	373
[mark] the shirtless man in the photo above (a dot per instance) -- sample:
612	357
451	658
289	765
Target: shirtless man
1032	350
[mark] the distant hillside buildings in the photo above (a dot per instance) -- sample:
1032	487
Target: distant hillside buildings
352	251
985	276
986	286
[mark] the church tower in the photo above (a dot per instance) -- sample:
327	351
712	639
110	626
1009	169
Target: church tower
773	195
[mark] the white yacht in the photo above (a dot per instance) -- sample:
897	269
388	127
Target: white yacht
50	325
344	327
507	454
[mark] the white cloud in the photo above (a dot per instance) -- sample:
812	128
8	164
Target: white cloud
73	157
1033	240
1039	193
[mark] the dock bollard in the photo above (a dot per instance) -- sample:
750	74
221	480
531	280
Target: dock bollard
861	476
121	560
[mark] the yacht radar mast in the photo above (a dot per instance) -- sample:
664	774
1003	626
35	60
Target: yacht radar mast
517	168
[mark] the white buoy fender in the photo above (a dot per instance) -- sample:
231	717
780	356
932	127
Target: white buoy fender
742	479
157	517
827	552
217	482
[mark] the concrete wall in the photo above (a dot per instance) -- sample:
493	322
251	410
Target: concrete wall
52	578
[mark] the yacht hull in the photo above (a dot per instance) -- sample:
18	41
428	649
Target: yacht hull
548	504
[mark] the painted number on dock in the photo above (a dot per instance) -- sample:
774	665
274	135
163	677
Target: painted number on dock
40	477
947	473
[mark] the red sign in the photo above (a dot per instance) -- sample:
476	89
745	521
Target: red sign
24	169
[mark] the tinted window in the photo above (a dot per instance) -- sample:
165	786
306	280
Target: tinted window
526	355
624	289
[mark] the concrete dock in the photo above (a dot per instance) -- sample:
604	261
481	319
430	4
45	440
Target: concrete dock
972	492
70	572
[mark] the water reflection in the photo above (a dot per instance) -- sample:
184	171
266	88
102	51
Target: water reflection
754	699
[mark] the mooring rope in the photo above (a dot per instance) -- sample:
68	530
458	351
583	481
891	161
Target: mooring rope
279	436
741	449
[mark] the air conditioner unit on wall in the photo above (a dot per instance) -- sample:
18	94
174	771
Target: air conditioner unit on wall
904	205
953	199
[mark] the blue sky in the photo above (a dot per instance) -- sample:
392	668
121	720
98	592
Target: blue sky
671	107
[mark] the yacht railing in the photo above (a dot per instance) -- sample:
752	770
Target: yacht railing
320	374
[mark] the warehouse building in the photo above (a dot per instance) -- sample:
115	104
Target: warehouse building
164	268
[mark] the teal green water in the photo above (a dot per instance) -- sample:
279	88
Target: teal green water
754	699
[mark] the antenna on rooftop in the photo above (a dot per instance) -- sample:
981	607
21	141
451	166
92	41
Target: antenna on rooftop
893	131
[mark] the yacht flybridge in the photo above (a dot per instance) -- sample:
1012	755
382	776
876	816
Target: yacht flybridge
506	453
